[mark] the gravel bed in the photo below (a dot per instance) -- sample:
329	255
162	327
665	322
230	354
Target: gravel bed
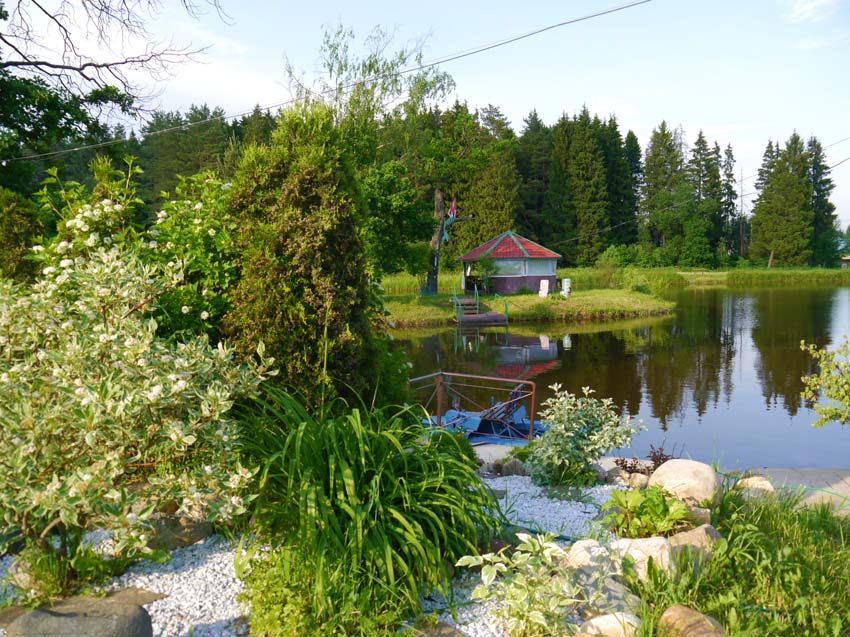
201	584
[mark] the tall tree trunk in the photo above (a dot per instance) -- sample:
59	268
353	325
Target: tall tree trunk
436	242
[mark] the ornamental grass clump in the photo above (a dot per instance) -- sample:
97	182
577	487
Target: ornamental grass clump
102	421
580	430
362	511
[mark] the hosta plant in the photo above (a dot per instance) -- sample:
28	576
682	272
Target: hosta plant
580	430
102	420
646	512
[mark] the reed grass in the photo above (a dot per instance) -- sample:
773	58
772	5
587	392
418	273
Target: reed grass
780	276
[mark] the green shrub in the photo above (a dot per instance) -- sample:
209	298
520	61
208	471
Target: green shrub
580	430
101	419
534	591
376	504
832	383
304	288
616	257
645	512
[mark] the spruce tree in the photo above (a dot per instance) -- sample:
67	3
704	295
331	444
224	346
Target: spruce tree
634	159
622	209
662	171
558	221
587	180
729	205
782	222
825	234
534	153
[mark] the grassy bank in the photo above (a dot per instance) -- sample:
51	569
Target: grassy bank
596	305
790	277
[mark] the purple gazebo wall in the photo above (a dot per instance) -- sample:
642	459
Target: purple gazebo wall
512	284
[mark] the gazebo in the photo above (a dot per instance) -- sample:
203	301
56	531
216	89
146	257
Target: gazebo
519	263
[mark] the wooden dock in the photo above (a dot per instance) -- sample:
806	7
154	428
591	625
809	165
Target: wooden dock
467	312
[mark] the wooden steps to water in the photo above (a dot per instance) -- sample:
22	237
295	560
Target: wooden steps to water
468	312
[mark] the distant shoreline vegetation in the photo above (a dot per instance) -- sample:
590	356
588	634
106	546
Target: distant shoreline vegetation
598	294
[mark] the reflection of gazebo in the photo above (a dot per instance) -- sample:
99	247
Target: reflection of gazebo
519	263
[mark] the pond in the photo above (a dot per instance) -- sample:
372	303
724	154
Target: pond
718	381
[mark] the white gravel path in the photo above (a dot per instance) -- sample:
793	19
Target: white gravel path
201	585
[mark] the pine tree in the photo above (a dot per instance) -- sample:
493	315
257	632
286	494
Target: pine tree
634	158
534	153
825	234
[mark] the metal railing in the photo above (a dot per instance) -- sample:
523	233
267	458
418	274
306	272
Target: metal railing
441	391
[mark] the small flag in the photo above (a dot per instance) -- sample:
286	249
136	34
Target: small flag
449	220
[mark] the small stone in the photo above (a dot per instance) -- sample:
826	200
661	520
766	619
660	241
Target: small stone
638	480
691	481
754	487
611	625
84	617
170	532
587	554
641	550
699	542
700	515
681	621
514	467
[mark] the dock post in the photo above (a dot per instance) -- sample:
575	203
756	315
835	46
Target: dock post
439	399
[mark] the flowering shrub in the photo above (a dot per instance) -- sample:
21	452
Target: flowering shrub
580	430
194	231
102	420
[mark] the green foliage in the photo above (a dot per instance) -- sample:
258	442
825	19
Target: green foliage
534	592
374	504
645	512
619	256
658	281
19	228
781	570
831	382
580	430
304	289
194	231
101	419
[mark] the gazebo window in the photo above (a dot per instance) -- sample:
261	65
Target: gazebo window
541	267
509	267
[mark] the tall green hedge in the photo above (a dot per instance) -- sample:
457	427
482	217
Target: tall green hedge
304	289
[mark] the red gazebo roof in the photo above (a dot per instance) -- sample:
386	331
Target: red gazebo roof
509	245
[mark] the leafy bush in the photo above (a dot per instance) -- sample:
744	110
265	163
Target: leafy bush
195	231
304	288
616	257
534	592
580	430
645	512
832	382
377	506
101	420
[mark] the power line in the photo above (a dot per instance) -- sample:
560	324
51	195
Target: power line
421	67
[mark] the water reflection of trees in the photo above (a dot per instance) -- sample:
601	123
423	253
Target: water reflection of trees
684	363
782	319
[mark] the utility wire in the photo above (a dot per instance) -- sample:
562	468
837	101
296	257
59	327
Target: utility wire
355	84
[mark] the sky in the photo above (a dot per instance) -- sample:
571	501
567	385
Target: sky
742	71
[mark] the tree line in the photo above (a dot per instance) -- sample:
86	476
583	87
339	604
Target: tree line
579	186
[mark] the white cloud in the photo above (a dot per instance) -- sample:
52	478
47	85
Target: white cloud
809	10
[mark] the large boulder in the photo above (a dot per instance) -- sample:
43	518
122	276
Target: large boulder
587	554
171	532
641	550
84	617
611	625
681	621
691	481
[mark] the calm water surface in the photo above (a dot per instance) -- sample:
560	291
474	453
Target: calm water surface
718	381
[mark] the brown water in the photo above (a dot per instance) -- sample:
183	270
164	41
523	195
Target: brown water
718	381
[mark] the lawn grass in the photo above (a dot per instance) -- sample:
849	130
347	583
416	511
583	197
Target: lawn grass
597	305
